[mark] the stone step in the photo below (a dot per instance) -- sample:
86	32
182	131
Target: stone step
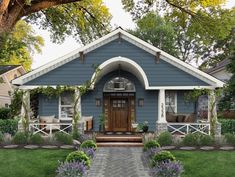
118	139
119	144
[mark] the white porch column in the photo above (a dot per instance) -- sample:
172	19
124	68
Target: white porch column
78	107
161	121
212	113
25	110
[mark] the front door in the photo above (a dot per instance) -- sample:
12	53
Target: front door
119	114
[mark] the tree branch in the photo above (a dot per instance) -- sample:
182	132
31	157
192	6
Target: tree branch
44	4
3	6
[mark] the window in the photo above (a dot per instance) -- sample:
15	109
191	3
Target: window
66	108
171	101
119	84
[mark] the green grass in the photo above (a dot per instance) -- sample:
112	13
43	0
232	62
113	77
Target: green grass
30	163
207	164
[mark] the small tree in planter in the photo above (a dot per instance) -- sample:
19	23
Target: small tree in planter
143	127
102	123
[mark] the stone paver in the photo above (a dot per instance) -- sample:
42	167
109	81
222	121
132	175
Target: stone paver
168	147
12	146
31	147
67	147
227	148
49	147
118	162
207	148
187	148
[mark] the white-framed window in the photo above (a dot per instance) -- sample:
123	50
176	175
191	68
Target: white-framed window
171	101
66	105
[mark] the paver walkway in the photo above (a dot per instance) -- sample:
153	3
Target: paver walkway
118	162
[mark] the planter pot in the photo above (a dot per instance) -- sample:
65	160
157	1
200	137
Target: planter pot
145	129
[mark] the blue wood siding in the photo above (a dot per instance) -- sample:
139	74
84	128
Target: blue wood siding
158	74
48	106
146	113
184	106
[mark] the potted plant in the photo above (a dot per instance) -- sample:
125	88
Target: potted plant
145	126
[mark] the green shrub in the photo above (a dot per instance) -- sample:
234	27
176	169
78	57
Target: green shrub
89	144
5	113
36	139
165	139
20	138
191	140
79	156
151	144
1	137
206	140
9	126
230	138
227	125
63	138
162	156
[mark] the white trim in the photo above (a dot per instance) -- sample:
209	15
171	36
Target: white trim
130	38
124	60
161	107
176	106
30	87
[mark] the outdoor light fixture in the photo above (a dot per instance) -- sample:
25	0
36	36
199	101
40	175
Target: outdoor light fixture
140	102
98	102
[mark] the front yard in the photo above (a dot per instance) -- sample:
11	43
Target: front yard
43	163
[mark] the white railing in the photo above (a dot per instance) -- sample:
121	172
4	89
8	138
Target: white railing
48	128
186	128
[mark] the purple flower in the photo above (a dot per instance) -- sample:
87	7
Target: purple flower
151	152
84	137
71	169
167	169
90	152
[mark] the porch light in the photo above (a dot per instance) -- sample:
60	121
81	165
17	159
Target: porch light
140	102
98	102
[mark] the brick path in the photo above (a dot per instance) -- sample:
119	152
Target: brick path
118	162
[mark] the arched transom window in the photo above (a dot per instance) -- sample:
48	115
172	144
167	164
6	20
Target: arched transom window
119	84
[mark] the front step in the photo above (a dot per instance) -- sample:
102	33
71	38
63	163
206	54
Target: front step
119	141
119	144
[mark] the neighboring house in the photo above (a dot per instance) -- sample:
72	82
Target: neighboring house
138	82
7	74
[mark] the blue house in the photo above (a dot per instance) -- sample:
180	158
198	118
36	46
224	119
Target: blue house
137	82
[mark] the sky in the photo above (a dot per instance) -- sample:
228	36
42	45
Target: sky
52	51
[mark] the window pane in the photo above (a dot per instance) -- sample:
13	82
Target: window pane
67	98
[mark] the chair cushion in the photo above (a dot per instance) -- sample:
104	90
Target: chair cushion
170	117
47	119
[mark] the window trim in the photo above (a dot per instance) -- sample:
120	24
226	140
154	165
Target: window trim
60	106
175	93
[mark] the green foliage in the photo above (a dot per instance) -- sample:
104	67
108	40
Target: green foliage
191	140
227	125
165	139
230	138
63	138
206	140
16	102
151	144
162	156
1	137
36	139
155	30
89	144
20	138
5	113
18	46
79	156
9	126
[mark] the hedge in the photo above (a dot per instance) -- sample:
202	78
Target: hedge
5	113
9	126
227	125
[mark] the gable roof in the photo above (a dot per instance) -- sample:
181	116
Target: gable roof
6	68
221	65
108	38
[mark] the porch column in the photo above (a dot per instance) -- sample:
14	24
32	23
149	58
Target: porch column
23	124
161	121
212	113
79	110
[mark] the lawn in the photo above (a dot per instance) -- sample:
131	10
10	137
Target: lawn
207	164
30	163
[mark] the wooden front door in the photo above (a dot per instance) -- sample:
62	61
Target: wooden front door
119	111
119	114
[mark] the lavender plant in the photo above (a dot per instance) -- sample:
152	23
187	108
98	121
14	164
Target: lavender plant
90	152
71	169
167	169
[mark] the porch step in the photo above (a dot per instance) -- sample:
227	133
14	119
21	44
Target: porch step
118	139
119	144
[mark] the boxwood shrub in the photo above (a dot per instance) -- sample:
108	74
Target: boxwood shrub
227	125
151	144
36	139
9	126
89	144
79	156
191	140
163	156
63	138
20	138
165	139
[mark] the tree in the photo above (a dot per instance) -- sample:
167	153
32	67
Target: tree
84	19
19	45
155	30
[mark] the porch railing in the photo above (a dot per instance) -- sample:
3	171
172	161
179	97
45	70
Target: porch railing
48	128
186	128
